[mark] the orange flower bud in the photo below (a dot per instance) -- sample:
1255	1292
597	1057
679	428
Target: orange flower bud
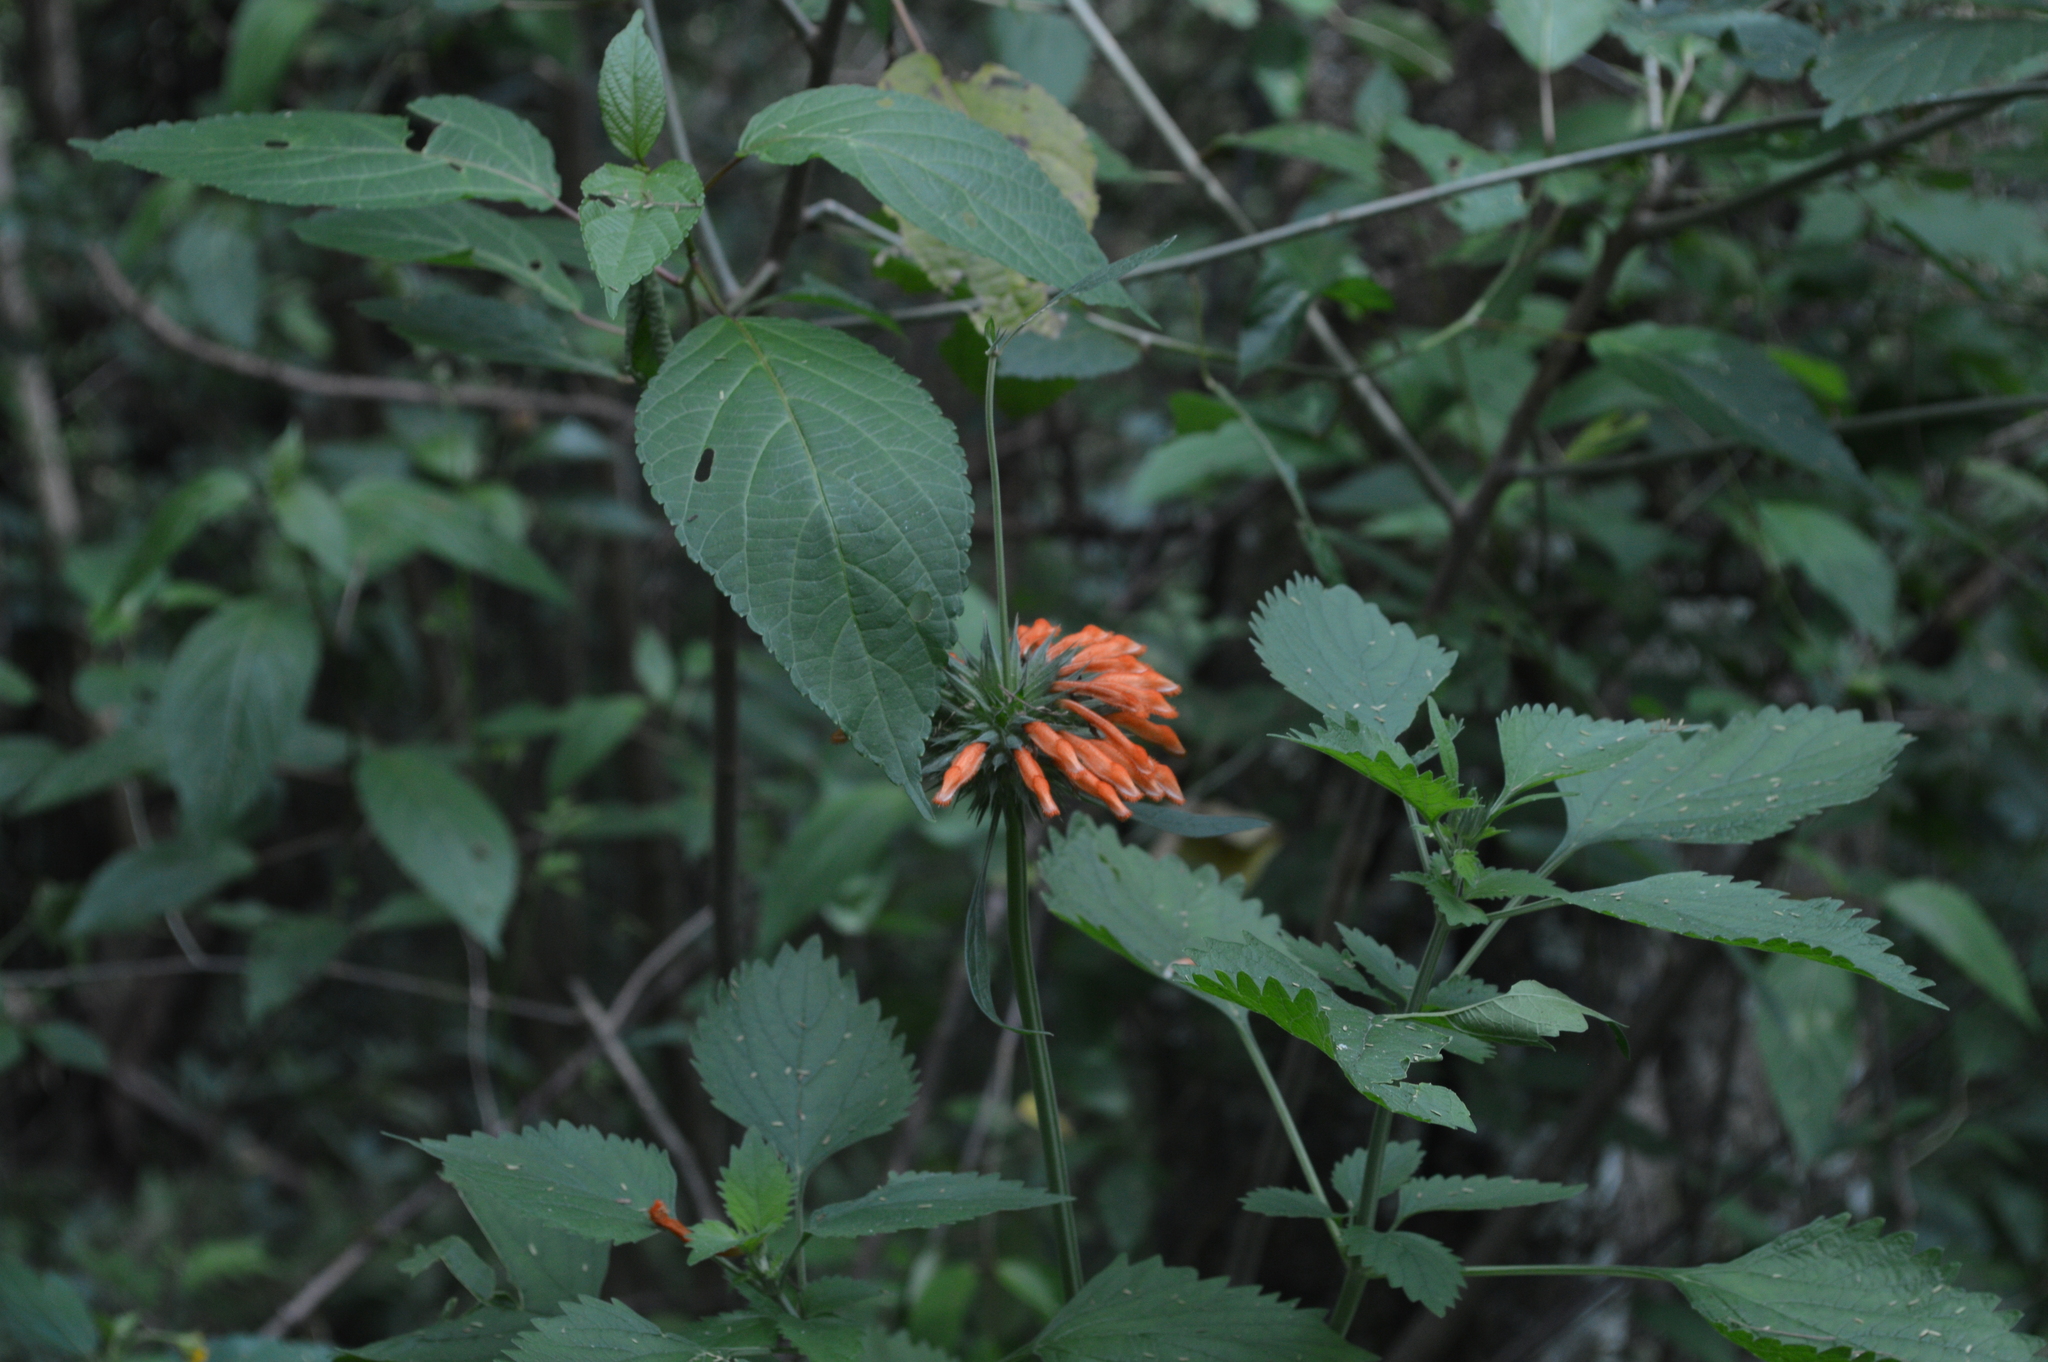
1150	732
1034	781
965	763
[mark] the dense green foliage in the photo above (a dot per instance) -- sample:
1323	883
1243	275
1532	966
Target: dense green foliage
1611	422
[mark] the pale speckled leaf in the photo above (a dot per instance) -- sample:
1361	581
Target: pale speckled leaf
1334	650
1148	1312
921	1201
1539	744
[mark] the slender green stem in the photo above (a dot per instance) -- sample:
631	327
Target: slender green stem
1040	1058
1273	1095
1647	1274
995	502
1365	1210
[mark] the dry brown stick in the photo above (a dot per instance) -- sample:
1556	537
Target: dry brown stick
355	387
644	1097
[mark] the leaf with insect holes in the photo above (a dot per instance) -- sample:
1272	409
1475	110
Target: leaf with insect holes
1752	779
458	234
1425	1195
1539	744
922	1201
632	90
491	146
791	1051
1334	650
1734	913
1137	1312
824	490
1882	66
632	220
570	1177
1835	1290
966	184
1414	1264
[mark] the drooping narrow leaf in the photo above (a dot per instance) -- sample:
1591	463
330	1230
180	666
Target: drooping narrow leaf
463	234
233	696
210	497
1754	778
139	886
445	833
1134	1312
966	184
1833	1289
1718	908
791	1051
464	1263
1885	65
1542	744
1414	1264
570	1177
128	751
1425	1195
1843	563
1956	925
920	1201
1334	650
828	496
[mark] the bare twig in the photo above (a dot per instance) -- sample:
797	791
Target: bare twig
355	387
909	26
345	1264
860	222
644	1097
480	1037
146	1090
789	213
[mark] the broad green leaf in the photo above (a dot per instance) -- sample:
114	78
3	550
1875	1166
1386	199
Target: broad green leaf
1527	1014
1770	45
920	1201
1345	152
123	754
1958	927
1198	463
479	1336
137	887
1358	747
1843	563
1417	1266
16	687
1080	351
1447	157
1542	744
216	262
756	1187
491	147
1153	911
607	1331
445	834
261	43
1426	1195
825	492
1044	47
235	692
390	519
1752	779
591	728
1332	649
487	328
572	1178
791	1051
1141	1312
285	955
843	834
937	169
462	234
1833	1289
1732	389
477	1277
23	757
71	1045
1717	908
1286	1202
632	91
309	517
1888	65
43	1312
1959	228
634	219
1806	1035
1553	33
178	518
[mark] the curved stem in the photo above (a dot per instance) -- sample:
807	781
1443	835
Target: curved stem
995	508
1039	1057
1279	1101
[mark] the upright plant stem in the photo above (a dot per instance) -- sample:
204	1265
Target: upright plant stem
1039	1056
995	502
1365	1211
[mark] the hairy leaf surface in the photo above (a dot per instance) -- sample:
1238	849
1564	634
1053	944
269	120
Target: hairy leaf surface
1542	744
1334	650
573	1178
920	1201
1140	1312
1425	1195
1417	1266
1886	65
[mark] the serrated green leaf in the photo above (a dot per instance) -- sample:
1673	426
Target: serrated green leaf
460	234
1334	650
43	1312
790	1050
632	91
1425	1195
756	1187
1504	882
1139	1312
1432	796
479	1336
590	1330
1844	564
235	692
1542	744
285	955
1885	66
137	887
918	1201
445	833
1957	926
825	492
1397	1167
1551	34
1833	1289
390	519
178	518
571	1178
1286	1202
1752	779
939	170
1733	390
477	1277
632	220
1718	908
1527	1014
491	147
1414	1264
488	328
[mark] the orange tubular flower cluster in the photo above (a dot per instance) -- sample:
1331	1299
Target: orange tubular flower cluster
1075	700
